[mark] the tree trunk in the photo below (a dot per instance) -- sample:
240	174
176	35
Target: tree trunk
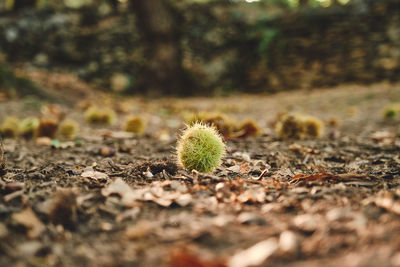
159	26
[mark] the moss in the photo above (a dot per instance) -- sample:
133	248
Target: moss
200	148
96	115
29	127
9	127
69	128
135	124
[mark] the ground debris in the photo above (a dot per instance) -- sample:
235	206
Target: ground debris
155	193
324	176
63	208
155	167
254	255
3	167
131	206
184	258
388	202
383	137
28	219
96	175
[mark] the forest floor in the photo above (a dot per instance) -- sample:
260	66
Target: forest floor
112	199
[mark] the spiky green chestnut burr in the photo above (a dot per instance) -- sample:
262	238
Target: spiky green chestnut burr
200	148
9	127
28	127
135	124
299	126
69	128
98	115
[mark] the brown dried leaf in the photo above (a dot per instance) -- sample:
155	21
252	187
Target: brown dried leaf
95	175
252	196
388	203
43	141
156	194
244	168
327	176
234	168
255	255
283	173
184	200
383	137
28	219
184	258
302	149
118	187
163	202
139	230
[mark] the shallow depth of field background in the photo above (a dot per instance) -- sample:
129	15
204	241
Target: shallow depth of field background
199	47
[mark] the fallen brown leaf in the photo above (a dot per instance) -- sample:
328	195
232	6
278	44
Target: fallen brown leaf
94	175
28	219
388	203
254	255
383	137
139	230
327	176
183	258
244	168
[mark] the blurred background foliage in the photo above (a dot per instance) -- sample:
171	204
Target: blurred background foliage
192	47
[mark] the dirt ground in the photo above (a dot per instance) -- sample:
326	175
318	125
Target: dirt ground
112	199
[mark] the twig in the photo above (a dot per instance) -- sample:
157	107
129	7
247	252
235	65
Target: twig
262	174
328	176
3	169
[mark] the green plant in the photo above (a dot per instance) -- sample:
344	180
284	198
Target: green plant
69	129
9	127
28	127
391	111
135	124
200	148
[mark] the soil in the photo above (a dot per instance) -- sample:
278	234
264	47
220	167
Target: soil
113	199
